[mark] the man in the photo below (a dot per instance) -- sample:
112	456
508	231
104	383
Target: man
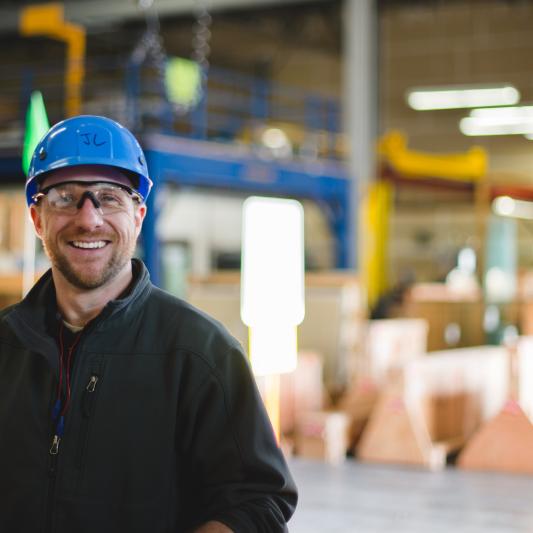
122	408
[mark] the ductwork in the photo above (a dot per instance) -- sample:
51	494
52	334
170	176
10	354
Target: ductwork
105	12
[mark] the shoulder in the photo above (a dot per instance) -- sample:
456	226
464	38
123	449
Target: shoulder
7	333
6	311
188	327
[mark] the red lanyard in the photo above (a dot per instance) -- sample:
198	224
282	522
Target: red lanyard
59	409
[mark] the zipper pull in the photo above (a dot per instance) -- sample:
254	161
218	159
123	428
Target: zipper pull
88	396
54	449
91	386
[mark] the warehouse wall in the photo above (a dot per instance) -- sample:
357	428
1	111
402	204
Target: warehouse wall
441	43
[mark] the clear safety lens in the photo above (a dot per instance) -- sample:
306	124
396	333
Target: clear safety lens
69	197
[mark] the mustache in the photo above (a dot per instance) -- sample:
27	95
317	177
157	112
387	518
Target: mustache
93	235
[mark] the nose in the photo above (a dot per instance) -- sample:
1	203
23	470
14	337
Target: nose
92	197
90	213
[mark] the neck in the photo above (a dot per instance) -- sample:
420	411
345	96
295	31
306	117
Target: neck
80	306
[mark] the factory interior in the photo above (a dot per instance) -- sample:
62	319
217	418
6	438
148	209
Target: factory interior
400	131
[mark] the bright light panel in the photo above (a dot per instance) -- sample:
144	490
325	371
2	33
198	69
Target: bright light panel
272	262
516	120
272	280
273	349
462	96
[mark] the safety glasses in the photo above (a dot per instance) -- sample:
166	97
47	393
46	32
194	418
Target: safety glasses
68	197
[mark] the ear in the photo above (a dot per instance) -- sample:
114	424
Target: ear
139	215
36	219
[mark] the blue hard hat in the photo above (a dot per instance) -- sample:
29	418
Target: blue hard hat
88	140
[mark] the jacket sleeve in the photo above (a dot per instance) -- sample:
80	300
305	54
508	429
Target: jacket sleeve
235	471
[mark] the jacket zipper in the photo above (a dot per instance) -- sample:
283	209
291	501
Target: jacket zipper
52	468
86	410
52	475
88	395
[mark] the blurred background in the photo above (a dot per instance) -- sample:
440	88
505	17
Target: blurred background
404	128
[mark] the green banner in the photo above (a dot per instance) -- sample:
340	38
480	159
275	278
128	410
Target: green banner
36	126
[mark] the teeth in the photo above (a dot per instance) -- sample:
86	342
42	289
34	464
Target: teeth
94	244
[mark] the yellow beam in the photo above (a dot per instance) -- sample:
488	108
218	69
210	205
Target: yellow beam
376	212
470	166
48	20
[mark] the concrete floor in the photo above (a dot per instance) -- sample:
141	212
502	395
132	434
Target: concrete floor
364	498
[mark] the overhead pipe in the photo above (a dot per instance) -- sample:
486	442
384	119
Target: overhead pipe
48	20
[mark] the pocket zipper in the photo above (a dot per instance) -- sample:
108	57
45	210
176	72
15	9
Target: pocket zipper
88	396
91	386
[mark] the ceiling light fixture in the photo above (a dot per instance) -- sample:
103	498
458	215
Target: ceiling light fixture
462	96
505	206
516	120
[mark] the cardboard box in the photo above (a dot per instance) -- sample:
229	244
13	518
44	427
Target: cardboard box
323	435
458	389
440	307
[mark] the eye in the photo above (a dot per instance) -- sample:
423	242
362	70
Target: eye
62	198
111	197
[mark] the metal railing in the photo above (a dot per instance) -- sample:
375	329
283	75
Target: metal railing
235	107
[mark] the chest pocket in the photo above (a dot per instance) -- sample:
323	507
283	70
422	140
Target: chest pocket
127	431
91	382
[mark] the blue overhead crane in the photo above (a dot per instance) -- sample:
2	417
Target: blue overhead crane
206	164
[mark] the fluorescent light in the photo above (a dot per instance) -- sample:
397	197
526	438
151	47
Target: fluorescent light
503	205
516	120
503	114
506	206
462	96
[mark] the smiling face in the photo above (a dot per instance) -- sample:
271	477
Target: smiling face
88	249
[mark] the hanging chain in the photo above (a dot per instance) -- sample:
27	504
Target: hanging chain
151	50
200	43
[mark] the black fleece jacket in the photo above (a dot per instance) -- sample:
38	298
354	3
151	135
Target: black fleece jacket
165	429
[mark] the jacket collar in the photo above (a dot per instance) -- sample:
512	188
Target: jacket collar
34	320
128	303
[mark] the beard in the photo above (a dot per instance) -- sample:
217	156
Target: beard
90	276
